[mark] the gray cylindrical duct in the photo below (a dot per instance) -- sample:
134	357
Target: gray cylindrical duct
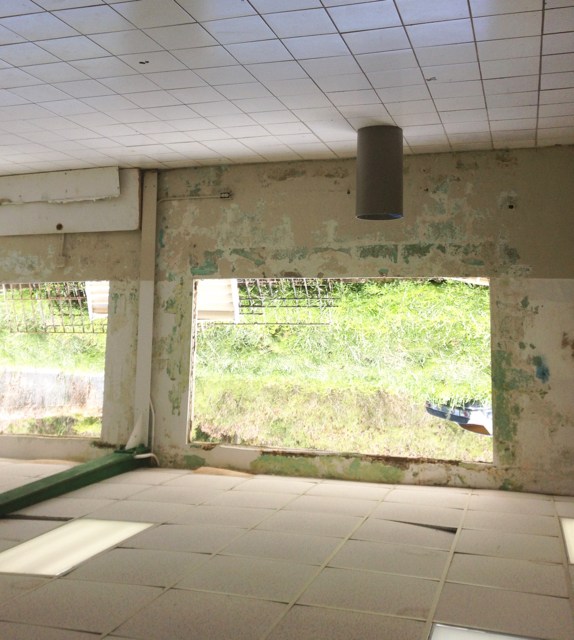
380	173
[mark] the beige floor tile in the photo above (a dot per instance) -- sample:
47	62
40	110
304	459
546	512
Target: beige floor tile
83	606
565	509
510	574
15	631
402	533
337	506
176	495
32	470
317	524
312	623
430	498
374	592
271	485
224	516
511	523
419	514
514	495
433	488
7	544
12	586
145	476
105	491
180	615
9	483
506	504
294	547
180	537
137	566
65	507
501	544
192	481
391	558
522	614
25	529
253	577
250	499
133	511
356	490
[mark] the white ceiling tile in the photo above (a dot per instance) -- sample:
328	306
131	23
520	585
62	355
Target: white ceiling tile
513	144
153	127
322	67
377	40
511	48
212	109
126	42
56	72
153	13
128	116
78	48
510	85
274	6
291	24
108	103
550	64
417	119
10	78
248	29
512	125
280	153
246	132
556	95
205	57
277	71
92	120
129	84
178	112
9	37
446	54
375	110
440	33
40	93
368	15
171	137
231	120
554	110
515	25
229	148
209	134
51	5
258	105
411	107
419	11
181	36
260	142
559	20
291	87
466	115
113	130
195	149
244	91
176	79
316	151
191	124
84	88
466	127
262	51
196	95
401	94
8	99
346	98
343	82
316	46
298	138
153	62
557	80
509	68
452	72
219	10
275	117
235	74
20	55
132	140
396	78
102	67
525	134
493	7
149	99
558	43
17	8
387	60
305	102
424	130
99	19
456	139
317	114
52	124
38	26
559	121
556	132
452	104
26	112
519	99
511	113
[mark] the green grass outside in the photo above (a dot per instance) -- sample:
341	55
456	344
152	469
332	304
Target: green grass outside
358	384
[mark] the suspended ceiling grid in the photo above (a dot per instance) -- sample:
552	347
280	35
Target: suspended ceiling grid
160	83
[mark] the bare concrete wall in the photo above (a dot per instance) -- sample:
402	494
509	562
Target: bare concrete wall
503	215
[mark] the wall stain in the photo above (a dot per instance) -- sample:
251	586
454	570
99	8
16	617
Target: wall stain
415	250
390	251
542	371
209	266
249	254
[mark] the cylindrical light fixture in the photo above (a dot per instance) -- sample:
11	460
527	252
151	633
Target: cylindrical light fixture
380	173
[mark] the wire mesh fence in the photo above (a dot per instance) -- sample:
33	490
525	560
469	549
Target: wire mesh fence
55	307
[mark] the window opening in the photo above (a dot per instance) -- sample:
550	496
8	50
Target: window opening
387	366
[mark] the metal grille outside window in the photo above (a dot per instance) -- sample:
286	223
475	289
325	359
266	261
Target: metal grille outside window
55	307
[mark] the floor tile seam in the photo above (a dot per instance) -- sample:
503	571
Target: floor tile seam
270	558
424	504
541	535
385	573
415	523
565	563
95	634
512	589
550	563
234	594
294	601
109	632
437	596
353	610
511	513
329	513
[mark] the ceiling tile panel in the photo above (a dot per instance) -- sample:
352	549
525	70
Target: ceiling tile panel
368	15
343	82
446	54
77	48
559	20
203	11
501	27
21	55
377	40
56	72
511	48
153	61
452	72
181	36
263	51
510	68
204	57
100	19
440	33
248	29
176	79
38	26
292	24
396	78
9	37
494	7
316	46
146	14
277	71
275	6
420	11
387	60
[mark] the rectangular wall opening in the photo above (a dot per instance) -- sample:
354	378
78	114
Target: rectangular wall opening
387	366
52	358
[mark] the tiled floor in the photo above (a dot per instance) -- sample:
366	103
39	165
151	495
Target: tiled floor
294	558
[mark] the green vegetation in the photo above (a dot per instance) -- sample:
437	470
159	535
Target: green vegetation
358	384
72	425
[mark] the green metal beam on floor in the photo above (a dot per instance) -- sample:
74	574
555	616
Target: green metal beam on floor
77	477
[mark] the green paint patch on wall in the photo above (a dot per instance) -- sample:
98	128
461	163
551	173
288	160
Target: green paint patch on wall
416	251
249	254
389	251
209	267
325	249
281	465
510	484
297	253
444	231
193	462
511	254
367	471
505	425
